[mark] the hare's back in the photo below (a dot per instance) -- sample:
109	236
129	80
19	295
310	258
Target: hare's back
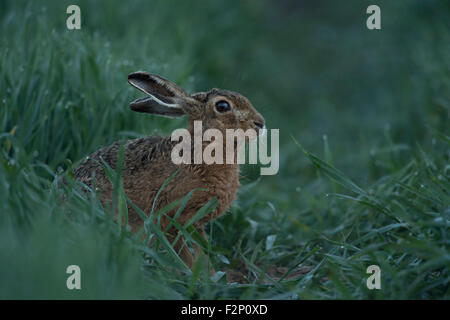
139	154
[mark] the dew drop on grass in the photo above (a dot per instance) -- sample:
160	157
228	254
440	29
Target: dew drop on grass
298	189
35	153
253	224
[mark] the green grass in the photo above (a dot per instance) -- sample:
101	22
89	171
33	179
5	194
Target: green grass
364	147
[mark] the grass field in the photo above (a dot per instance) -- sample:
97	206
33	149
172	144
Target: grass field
364	146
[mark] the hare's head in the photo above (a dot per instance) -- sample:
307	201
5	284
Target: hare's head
219	109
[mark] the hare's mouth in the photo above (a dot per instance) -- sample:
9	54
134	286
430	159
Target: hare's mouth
260	128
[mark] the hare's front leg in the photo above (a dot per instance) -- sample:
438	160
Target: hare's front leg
200	254
182	249
197	249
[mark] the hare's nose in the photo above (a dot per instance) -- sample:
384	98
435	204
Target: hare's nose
259	124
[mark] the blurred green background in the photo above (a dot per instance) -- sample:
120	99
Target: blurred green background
372	105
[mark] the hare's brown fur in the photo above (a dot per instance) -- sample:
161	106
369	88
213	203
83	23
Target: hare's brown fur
147	161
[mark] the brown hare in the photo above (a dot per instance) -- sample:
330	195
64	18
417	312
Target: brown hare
147	161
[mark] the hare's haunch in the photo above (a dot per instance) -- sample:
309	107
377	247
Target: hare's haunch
147	161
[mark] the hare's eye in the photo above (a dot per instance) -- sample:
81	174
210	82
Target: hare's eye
222	106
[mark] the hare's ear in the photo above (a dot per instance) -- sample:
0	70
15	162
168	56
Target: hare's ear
164	97
200	96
